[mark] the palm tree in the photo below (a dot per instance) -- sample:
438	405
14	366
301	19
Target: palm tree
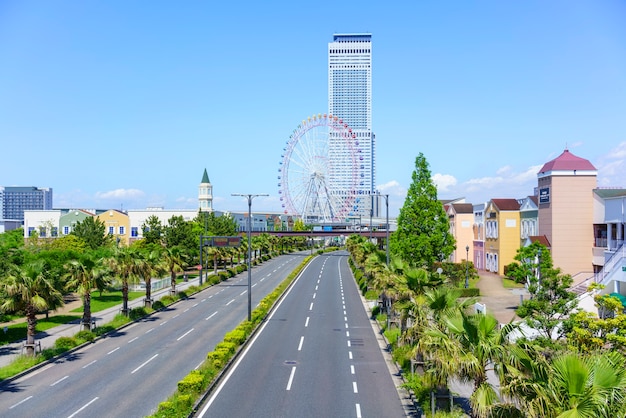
149	264
173	258
29	289
469	347
124	265
571	385
85	275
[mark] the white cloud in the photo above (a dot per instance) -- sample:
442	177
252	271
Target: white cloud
119	194
611	167
444	182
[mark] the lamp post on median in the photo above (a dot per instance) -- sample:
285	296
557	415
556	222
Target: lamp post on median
466	266
249	197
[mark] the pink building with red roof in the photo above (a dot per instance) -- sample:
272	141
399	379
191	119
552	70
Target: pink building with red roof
565	187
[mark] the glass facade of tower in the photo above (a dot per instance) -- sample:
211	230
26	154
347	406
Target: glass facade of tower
15	200
350	98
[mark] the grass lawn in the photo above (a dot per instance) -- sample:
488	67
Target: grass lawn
108	300
17	332
510	284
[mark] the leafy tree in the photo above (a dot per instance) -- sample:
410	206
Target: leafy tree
586	332
422	236
179	232
550	301
299	225
152	230
29	289
84	275
93	231
69	243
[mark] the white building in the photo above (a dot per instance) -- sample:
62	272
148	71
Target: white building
350	98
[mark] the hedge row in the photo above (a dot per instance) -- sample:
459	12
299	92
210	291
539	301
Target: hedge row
191	388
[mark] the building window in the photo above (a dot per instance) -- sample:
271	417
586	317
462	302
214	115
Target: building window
31	230
54	232
111	230
134	232
122	230
66	230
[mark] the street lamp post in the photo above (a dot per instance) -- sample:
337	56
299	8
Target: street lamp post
466	266
249	197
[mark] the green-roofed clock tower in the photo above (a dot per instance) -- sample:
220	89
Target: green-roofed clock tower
205	194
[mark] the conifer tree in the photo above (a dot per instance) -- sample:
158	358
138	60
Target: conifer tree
422	236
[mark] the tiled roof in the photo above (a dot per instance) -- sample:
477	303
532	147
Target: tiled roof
567	161
463	207
506	204
542	239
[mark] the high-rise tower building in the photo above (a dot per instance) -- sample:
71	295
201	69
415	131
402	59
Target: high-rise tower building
350	98
15	200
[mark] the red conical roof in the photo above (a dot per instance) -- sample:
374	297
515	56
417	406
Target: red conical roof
567	161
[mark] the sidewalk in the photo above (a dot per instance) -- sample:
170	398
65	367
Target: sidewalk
46	339
499	301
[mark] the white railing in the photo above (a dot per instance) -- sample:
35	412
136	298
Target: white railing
610	264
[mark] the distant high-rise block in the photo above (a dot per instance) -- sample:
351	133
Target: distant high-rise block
15	200
350	98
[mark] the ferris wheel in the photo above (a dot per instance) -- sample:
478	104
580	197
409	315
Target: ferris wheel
319	170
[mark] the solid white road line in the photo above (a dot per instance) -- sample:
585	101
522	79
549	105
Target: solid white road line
210	316
354	388
311	307
130	341
306	323
358	411
113	351
350	355
83	407
352	369
231	301
144	363
293	371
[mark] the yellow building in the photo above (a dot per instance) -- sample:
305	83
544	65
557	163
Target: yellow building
117	225
502	232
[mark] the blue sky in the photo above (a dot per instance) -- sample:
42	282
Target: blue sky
118	104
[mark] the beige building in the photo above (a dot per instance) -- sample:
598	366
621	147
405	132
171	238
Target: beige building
565	193
461	218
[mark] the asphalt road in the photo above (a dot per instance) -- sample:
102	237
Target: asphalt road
316	356
129	373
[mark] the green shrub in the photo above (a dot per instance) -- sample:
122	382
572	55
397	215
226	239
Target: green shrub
182	294
167	408
167	300
226	346
470	292
65	343
156	305
193	382
235	336
193	289
137	313
213	279
371	295
223	275
84	336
